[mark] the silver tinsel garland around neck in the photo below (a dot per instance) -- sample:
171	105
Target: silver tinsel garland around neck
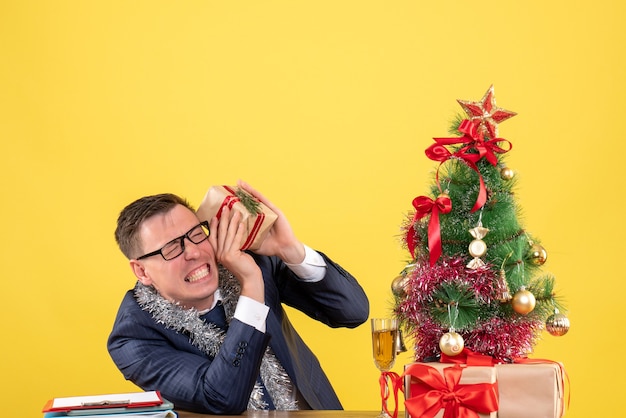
209	338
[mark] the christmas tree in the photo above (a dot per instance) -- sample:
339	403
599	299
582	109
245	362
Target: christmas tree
475	276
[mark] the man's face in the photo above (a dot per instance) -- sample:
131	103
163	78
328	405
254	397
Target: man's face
189	279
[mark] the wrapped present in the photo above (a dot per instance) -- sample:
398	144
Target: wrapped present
532	389
257	217
434	390
529	388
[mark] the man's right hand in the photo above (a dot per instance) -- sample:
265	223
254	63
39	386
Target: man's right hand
227	236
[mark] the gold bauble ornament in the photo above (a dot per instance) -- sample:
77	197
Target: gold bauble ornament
399	286
523	301
506	173
477	248
451	343
537	254
557	324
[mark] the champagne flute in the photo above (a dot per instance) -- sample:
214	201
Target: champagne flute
384	334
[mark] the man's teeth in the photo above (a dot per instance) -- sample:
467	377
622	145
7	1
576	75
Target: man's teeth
197	275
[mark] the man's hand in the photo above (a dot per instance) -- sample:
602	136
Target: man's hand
280	240
226	237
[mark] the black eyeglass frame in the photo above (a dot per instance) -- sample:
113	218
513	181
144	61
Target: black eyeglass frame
181	241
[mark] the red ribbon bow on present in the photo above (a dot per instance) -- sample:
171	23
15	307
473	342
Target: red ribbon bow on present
434	392
424	205
475	141
469	358
229	201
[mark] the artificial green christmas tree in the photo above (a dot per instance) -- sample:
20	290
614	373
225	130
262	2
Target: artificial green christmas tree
475	277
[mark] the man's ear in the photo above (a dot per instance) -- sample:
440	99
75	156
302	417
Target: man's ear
140	271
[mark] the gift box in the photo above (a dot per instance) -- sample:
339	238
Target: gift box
257	217
532	388
432	388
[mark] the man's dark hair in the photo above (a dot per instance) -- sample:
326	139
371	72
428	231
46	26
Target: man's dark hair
132	217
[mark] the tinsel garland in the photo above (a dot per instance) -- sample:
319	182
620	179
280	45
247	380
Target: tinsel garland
208	338
493	334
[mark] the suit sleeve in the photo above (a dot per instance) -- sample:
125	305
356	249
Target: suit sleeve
337	300
155	358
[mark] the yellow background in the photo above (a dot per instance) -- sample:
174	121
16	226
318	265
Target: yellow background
326	107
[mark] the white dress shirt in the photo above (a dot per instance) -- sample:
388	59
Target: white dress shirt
253	313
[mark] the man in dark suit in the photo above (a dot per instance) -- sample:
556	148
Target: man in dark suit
205	324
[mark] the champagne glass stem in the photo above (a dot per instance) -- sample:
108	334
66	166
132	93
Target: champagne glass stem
384	392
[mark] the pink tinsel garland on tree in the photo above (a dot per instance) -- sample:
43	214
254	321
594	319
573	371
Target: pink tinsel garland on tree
498	337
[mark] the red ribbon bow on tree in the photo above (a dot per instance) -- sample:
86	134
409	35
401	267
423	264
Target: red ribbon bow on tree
424	205
474	141
435	392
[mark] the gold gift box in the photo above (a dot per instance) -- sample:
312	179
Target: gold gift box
258	223
469	376
534	389
530	390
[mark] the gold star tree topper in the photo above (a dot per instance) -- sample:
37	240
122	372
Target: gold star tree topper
486	113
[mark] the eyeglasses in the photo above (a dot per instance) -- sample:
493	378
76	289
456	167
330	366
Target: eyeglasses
176	247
